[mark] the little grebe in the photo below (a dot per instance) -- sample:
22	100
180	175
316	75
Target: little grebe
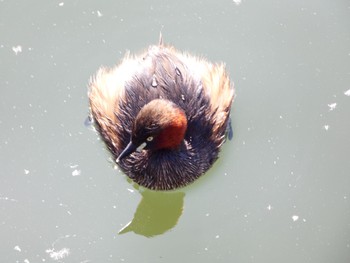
163	115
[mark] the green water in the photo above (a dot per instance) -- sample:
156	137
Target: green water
278	193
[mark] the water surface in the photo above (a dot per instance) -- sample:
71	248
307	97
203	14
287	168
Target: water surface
279	192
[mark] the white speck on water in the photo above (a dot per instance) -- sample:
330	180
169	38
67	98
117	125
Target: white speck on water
57	255
332	106
269	207
26	171
217	236
99	14
237	2
73	166
295	218
8	199
61	4
207	214
17	49
76	172
347	93
131	190
326	127
26	261
17	248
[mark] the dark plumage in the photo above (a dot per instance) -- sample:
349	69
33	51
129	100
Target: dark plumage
178	136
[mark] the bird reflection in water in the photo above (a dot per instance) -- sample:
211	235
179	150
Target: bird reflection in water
157	213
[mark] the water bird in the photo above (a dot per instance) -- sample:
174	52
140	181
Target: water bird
163	114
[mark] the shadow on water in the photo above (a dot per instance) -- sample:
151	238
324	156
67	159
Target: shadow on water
156	213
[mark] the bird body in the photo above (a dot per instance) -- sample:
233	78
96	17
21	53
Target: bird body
163	115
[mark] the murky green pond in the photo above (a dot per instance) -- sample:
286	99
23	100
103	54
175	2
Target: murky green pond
280	191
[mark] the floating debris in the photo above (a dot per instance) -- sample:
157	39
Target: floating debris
76	172
8	199
57	255
17	49
295	218
332	106
17	248
237	2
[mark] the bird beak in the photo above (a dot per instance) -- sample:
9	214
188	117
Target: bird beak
129	149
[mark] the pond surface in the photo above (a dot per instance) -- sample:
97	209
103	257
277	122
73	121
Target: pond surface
280	191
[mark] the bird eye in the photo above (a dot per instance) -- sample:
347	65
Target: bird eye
150	138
